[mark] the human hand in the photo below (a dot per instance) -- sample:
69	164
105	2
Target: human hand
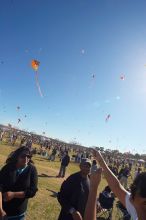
8	196
77	216
95	178
2	214
98	157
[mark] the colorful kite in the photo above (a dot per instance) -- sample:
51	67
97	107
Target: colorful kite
35	65
122	77
107	118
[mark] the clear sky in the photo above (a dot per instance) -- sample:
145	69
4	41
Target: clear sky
75	40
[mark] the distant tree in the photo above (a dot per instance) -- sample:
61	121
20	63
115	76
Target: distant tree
137	156
101	149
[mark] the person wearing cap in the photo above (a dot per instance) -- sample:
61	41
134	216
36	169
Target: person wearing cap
18	183
74	193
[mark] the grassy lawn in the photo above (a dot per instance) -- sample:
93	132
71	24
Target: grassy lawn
45	205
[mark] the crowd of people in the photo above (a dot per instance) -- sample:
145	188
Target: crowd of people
78	197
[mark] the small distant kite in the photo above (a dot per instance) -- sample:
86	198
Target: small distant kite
25	116
44	133
18	108
19	120
83	51
122	77
93	76
107	118
35	65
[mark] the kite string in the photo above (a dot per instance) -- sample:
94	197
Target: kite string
37	84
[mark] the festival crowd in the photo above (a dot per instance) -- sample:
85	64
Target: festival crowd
79	195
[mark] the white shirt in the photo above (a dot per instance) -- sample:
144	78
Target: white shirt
130	208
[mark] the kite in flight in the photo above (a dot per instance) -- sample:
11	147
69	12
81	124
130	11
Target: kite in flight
18	108
82	51
35	65
122	77
19	120
107	118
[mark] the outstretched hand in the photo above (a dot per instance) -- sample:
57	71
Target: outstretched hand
95	178
98	156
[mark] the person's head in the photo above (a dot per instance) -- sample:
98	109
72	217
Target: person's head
94	162
138	193
85	166
107	189
21	157
66	152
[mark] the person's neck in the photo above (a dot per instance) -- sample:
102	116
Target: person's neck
84	175
18	166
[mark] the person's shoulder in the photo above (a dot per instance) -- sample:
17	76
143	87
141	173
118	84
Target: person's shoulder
8	166
32	166
130	207
74	176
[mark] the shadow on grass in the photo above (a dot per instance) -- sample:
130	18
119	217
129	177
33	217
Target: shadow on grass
45	175
54	194
101	218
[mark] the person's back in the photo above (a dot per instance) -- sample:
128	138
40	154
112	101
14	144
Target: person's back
65	160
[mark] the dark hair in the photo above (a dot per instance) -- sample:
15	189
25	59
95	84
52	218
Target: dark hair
94	162
139	186
13	157
107	189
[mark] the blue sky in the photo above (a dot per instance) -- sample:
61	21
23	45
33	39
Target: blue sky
74	39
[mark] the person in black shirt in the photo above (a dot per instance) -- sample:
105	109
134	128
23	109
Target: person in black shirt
74	192
64	163
18	183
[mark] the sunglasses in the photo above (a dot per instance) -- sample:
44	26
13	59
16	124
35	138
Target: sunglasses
23	156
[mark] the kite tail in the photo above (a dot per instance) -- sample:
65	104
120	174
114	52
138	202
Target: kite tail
38	85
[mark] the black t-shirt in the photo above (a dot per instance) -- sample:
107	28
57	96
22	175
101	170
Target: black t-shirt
83	197
11	181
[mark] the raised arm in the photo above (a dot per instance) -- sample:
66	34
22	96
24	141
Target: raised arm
112	180
90	212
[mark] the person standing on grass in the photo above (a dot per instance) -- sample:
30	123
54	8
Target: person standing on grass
64	163
18	183
135	200
53	155
2	135
125	173
74	193
94	166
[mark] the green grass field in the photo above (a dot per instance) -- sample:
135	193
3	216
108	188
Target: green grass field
45	205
